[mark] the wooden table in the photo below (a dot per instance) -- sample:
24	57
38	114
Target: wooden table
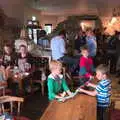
81	107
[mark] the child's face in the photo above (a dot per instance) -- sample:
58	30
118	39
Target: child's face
57	71
100	75
85	53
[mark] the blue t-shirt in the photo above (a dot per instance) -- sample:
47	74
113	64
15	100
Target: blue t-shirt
92	45
57	47
104	92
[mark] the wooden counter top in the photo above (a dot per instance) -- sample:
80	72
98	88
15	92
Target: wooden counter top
81	107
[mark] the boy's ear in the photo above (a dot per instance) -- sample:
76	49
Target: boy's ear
104	75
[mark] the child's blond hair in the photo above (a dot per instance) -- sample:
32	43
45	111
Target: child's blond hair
54	64
103	69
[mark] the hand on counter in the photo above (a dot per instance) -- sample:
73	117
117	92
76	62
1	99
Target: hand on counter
67	97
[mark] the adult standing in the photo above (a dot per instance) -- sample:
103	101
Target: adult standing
91	42
118	53
59	52
79	42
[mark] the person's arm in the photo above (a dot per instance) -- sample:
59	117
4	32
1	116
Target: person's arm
4	72
91	93
62	45
91	85
69	92
65	87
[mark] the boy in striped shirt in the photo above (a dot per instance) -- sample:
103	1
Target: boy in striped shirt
102	91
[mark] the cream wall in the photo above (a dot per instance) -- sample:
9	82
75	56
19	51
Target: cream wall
43	19
29	12
13	8
16	9
48	19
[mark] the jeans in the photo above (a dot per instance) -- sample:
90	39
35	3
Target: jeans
102	113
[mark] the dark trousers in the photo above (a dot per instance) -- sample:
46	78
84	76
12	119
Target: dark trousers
15	89
72	63
102	113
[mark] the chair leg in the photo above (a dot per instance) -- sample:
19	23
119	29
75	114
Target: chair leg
42	88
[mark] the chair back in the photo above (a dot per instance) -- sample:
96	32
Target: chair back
11	100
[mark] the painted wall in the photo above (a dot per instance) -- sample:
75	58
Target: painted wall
43	19
48	19
29	12
13	8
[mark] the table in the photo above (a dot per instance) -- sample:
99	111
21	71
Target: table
81	107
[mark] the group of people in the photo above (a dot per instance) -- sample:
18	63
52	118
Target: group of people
10	61
85	49
57	86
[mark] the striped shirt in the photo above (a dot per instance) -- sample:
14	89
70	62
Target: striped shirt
104	92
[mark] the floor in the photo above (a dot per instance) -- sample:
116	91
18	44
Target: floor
35	105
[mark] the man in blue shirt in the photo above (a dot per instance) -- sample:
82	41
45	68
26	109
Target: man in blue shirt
102	92
58	48
91	42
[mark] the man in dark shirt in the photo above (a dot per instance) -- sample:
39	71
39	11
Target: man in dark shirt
80	41
118	53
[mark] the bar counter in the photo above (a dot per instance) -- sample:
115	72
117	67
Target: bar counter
81	107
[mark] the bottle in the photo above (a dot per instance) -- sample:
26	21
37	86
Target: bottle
43	76
16	71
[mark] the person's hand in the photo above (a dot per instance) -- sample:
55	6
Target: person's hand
8	68
61	99
87	84
63	94
2	67
91	77
79	89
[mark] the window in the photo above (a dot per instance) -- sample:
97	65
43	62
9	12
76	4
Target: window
48	28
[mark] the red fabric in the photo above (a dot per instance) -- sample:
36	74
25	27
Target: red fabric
86	63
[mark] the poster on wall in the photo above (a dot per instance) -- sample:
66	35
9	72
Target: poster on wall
85	24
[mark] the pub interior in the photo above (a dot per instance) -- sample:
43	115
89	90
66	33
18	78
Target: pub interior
59	60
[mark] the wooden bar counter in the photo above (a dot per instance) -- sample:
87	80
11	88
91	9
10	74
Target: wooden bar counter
81	107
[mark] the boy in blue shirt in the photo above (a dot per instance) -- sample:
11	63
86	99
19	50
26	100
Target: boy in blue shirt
102	91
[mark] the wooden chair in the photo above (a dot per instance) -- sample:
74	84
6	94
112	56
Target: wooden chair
67	76
39	80
42	83
11	100
42	66
4	90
